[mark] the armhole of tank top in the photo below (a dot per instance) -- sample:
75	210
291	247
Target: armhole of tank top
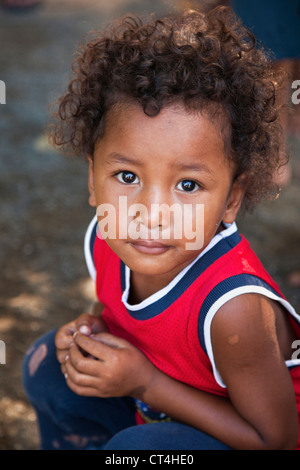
249	289
89	241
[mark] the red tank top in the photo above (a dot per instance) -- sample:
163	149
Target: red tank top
172	328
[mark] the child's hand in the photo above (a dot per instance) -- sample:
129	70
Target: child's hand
117	369
86	323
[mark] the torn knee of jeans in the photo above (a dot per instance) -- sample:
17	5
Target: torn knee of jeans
36	358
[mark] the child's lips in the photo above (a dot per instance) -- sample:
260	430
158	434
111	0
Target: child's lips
150	246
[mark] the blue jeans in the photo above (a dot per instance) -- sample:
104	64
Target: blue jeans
69	421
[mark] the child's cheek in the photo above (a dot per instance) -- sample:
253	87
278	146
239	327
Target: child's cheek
194	226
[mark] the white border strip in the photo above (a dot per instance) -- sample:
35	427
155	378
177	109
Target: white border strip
87	249
228	296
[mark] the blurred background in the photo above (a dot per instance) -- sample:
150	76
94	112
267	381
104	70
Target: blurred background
44	210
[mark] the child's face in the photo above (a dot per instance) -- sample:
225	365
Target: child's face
176	159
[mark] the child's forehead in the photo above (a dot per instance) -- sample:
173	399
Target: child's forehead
175	122
171	116
174	137
132	114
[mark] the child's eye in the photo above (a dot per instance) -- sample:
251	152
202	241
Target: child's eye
188	186
127	177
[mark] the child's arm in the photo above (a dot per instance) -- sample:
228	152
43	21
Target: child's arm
261	412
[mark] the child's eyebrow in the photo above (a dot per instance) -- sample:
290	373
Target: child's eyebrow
115	157
194	167
118	158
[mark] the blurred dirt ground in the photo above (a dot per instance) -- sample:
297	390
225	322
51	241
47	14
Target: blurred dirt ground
44	211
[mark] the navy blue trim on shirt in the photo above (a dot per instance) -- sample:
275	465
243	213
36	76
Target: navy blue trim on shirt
233	282
123	276
293	366
155	308
92	240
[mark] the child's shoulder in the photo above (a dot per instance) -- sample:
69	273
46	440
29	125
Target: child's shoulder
232	267
242	314
244	337
246	325
241	298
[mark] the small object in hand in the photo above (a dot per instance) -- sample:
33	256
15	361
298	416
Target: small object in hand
85	330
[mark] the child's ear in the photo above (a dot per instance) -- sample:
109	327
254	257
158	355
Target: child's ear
92	197
235	199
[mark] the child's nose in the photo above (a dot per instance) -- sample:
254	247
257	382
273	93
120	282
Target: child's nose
156	202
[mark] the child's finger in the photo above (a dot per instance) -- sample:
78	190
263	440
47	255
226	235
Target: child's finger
84	323
80	383
106	340
96	348
88	324
83	391
85	329
61	355
82	364
64	341
112	341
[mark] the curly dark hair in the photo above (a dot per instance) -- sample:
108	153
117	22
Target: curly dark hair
205	61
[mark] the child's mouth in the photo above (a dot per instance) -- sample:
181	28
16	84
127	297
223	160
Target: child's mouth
150	247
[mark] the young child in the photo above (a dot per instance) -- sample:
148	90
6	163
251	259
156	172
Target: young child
192	344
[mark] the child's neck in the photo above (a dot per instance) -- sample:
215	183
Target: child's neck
142	287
